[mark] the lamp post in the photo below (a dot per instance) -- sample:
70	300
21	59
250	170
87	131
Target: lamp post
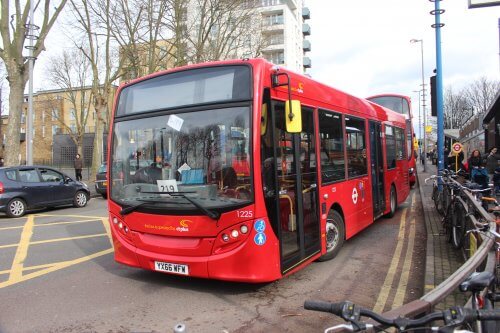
421	41
419	122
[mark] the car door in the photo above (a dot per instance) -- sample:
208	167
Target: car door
58	190
34	190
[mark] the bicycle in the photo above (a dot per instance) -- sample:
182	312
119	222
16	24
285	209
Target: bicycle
452	318
453	206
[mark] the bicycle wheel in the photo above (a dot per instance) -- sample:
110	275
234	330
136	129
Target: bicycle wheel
458	224
438	200
448	223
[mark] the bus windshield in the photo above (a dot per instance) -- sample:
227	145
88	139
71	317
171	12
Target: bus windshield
202	155
394	103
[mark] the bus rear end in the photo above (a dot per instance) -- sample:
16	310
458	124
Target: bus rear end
181	177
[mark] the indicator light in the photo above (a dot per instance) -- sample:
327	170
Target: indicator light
234	233
120	225
225	237
244	229
115	220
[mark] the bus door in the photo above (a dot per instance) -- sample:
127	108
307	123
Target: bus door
293	208
377	168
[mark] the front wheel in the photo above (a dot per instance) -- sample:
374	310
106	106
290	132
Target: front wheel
16	208
80	199
335	233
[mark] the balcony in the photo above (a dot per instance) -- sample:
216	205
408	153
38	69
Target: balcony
306	45
306	13
307	62
306	29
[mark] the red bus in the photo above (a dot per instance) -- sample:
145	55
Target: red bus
402	104
240	170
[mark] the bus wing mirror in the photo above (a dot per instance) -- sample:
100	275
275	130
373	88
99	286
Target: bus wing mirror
293	116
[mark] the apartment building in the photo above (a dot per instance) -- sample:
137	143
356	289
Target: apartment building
274	29
56	114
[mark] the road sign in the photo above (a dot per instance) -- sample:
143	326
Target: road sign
428	129
456	148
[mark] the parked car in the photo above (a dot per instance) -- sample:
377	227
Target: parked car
101	181
28	187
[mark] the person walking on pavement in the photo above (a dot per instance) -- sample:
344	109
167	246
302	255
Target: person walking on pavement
492	162
78	167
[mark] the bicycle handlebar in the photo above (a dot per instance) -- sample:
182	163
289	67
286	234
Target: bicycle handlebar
452	317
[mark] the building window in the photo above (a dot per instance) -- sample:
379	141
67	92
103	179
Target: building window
276	57
43	117
276	39
271	2
23	118
55	114
55	129
273	19
72	114
43	131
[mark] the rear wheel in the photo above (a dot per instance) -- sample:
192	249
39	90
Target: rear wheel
80	199
16	208
335	233
393	202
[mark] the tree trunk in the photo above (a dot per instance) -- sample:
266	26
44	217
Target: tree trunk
98	138
12	135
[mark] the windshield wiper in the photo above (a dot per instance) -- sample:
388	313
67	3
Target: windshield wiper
214	215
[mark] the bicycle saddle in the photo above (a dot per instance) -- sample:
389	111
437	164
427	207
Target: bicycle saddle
477	282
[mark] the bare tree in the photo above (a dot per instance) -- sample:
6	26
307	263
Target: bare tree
69	72
13	22
480	94
456	109
223	29
94	20
142	32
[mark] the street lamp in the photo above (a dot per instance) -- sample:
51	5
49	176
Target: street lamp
421	41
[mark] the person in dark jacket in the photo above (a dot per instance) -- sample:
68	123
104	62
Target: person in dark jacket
492	162
78	167
478	173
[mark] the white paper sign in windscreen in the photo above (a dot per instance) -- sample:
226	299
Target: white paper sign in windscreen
175	122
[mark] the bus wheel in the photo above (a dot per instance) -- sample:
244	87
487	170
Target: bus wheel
335	232
393	201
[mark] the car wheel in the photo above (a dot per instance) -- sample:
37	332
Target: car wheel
335	233
80	199
16	208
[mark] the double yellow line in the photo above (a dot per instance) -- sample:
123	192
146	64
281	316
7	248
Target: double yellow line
393	268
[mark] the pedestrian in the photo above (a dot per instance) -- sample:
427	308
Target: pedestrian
1	162
492	162
78	167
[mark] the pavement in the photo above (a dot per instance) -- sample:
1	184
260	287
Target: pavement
442	259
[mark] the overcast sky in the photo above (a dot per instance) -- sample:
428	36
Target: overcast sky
363	46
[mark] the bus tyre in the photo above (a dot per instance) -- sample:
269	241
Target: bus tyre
335	233
393	202
16	208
